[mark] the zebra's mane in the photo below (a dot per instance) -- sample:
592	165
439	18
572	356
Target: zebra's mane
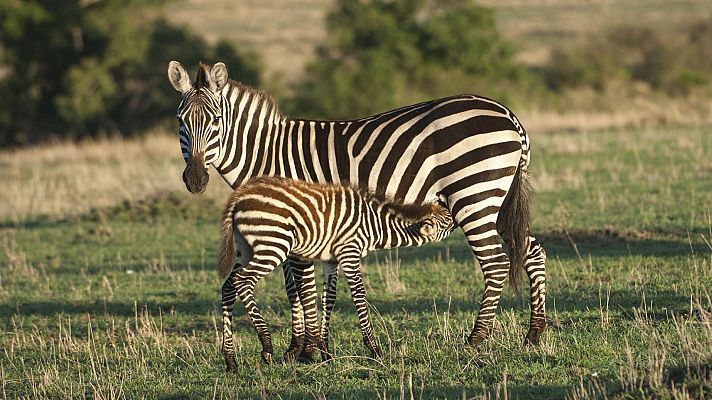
260	94
201	81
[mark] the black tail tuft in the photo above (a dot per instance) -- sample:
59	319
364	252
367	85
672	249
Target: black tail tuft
514	224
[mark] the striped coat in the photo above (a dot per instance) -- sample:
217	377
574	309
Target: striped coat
268	219
468	150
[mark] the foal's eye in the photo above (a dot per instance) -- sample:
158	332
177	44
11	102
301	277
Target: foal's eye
216	121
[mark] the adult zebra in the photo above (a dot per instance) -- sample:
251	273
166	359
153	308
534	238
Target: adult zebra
469	149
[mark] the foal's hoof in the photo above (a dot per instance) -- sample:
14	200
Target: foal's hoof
231	364
266	357
306	356
533	336
290	356
474	341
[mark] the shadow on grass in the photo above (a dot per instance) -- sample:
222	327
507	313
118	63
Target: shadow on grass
441	392
564	245
98	307
661	304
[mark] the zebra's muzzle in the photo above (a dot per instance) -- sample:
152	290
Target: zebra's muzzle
195	175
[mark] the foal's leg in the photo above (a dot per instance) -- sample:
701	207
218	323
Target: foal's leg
350	263
327	301
263	261
228	302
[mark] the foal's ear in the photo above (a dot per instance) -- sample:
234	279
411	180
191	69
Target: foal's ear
218	77
178	77
427	227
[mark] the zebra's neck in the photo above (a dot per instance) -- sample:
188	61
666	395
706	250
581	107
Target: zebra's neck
259	140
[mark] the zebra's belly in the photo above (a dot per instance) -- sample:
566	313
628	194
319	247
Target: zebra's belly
318	252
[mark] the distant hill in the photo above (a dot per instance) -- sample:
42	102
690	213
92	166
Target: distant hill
285	33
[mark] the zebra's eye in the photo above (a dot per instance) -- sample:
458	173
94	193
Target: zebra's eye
217	119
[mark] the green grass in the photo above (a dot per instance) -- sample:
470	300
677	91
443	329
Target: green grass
122	301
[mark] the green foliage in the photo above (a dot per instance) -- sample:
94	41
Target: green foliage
86	68
632	54
382	54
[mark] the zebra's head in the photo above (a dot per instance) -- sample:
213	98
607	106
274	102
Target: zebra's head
200	119
438	225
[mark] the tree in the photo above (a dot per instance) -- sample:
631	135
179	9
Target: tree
382	54
81	68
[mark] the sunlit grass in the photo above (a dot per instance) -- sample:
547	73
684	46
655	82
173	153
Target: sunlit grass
116	296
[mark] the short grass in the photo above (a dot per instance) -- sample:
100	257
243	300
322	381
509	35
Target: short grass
121	300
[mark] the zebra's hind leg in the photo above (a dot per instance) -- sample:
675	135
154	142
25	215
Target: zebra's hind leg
261	264
495	266
229	295
536	271
297	343
350	263
327	301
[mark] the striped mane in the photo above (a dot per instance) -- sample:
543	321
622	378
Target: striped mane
201	81
407	212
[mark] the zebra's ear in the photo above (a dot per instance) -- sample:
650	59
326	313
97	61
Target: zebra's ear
178	77
218	77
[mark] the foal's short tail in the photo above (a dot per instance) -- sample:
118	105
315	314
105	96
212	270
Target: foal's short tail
514	224
227	241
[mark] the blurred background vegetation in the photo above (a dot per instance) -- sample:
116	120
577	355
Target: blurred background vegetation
85	68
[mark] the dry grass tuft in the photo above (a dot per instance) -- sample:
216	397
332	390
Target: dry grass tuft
67	178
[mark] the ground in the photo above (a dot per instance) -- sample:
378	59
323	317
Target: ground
108	286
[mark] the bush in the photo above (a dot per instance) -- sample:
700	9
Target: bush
73	69
632	54
382	54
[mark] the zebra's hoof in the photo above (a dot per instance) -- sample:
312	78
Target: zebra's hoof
474	341
533	337
290	356
266	357
231	365
306	357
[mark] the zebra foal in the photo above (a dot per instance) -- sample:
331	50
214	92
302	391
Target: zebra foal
270	218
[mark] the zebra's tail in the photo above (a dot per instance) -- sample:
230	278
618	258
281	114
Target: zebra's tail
227	242
514	224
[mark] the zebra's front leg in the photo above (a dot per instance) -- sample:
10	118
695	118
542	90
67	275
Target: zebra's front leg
536	271
297	343
228	302
495	265
305	281
351	265
327	301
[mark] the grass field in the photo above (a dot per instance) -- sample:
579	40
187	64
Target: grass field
108	288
